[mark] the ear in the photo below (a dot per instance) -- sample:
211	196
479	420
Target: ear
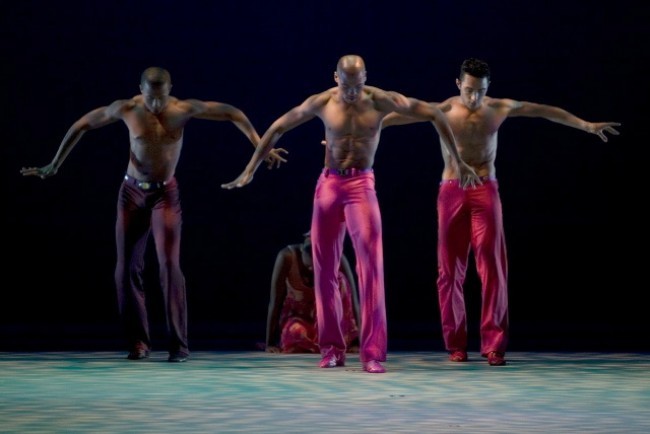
458	83
336	77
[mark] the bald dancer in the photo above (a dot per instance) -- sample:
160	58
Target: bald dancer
345	199
148	200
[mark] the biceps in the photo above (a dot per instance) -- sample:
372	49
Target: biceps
216	111
97	118
528	109
292	119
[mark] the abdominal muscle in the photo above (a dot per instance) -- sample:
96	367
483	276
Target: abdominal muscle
479	157
348	152
153	162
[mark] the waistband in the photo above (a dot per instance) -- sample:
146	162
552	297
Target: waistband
145	185
353	171
457	181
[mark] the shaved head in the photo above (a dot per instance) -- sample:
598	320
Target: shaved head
351	64
350	75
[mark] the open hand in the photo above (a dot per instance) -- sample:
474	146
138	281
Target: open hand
275	158
242	180
599	128
468	176
41	172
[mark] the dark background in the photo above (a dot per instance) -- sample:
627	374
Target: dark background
574	207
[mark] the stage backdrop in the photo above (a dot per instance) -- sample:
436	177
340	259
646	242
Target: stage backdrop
573	205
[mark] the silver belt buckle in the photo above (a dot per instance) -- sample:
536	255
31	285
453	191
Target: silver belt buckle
144	185
342	172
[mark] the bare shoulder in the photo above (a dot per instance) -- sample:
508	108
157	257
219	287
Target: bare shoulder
323	97
315	102
184	104
447	104
190	106
502	103
129	103
388	100
378	93
286	253
121	106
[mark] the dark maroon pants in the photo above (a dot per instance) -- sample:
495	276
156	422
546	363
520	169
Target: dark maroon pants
141	213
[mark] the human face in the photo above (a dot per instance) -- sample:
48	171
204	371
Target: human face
350	85
472	90
155	97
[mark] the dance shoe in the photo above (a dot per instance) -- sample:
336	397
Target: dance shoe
332	361
139	352
496	359
373	367
458	356
177	357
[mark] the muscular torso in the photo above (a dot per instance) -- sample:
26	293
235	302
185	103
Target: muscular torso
156	140
352	131
476	134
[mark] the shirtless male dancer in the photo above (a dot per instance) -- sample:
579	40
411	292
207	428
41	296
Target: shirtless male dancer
345	198
148	199
472	218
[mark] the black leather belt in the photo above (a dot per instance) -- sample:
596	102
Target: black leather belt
346	172
145	185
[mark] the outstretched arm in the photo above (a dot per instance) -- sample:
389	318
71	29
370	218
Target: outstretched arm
418	111
395	118
288	121
96	118
561	116
218	111
278	294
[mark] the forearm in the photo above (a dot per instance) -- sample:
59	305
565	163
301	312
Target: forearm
447	139
244	125
561	116
436	116
551	113
250	133
96	118
272	336
273	326
262	150
394	119
67	144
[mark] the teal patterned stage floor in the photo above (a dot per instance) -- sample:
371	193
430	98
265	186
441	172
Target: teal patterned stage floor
256	392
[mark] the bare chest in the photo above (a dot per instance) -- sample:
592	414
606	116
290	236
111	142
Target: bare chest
474	128
147	129
358	121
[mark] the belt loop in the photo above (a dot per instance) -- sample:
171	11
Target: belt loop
326	172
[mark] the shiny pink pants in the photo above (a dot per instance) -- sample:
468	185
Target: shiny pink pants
349	203
471	219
